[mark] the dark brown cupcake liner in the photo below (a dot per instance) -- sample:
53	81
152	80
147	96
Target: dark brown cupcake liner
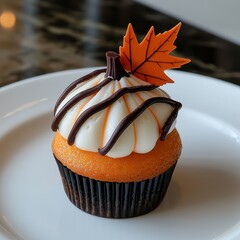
112	199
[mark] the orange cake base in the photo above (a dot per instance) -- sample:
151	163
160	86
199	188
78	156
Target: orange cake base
133	168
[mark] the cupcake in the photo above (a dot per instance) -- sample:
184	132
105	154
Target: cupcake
116	145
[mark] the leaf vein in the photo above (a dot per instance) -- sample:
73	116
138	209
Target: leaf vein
148	44
134	70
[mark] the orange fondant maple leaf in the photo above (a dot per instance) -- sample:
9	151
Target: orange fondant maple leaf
148	60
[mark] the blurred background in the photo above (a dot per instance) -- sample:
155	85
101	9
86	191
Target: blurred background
217	16
43	36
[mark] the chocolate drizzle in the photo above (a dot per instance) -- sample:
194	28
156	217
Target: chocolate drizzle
75	83
114	72
75	100
102	105
134	114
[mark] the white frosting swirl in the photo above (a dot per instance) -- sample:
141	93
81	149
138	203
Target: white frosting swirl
140	136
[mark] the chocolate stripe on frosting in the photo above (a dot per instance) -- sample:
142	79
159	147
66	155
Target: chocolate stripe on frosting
75	83
170	121
134	114
78	97
104	104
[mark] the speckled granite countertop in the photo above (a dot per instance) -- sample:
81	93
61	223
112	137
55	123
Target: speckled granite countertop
55	35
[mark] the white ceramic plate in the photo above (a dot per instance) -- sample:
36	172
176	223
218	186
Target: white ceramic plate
203	201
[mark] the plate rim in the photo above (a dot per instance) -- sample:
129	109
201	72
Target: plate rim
31	80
